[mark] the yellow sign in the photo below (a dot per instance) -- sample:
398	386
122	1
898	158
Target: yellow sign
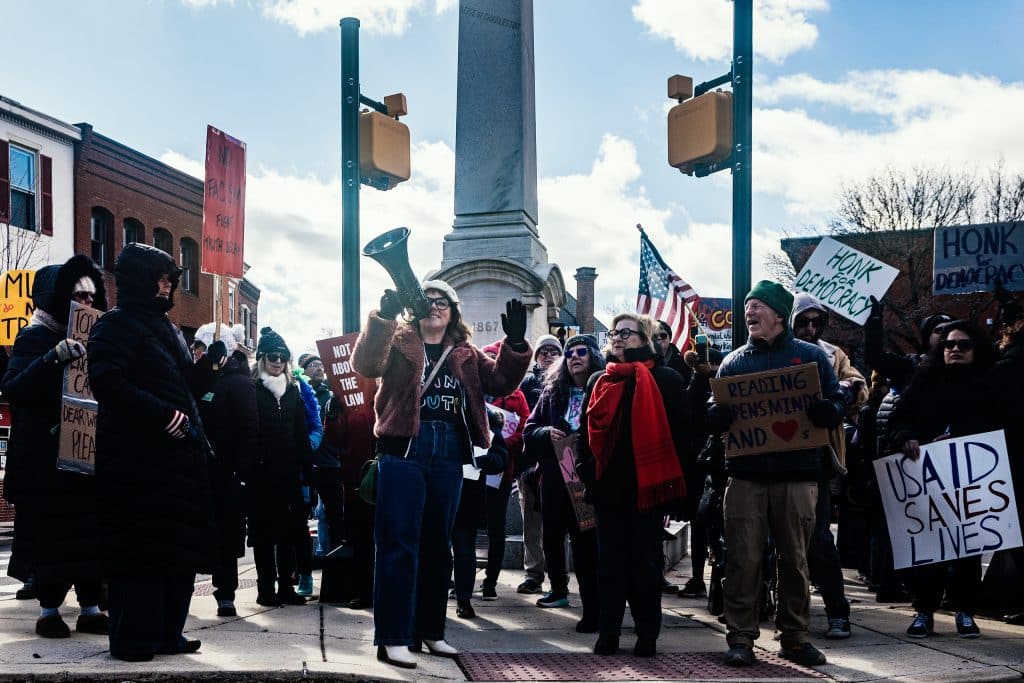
15	303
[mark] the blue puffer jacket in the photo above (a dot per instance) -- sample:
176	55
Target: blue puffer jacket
784	351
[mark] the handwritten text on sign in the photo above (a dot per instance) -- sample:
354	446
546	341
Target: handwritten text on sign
956	500
353	390
77	451
770	410
969	258
565	451
16	306
845	279
223	204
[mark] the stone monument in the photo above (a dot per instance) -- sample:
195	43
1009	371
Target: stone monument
494	252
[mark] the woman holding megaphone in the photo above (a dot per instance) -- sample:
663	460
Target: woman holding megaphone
430	413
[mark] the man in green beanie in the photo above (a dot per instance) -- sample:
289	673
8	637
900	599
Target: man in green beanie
772	492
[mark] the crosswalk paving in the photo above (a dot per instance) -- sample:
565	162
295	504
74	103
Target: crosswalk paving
8	586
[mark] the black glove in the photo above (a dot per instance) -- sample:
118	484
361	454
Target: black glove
390	305
513	321
217	352
823	413
719	419
492	462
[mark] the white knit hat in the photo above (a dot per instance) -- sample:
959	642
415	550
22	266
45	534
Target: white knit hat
444	287
205	335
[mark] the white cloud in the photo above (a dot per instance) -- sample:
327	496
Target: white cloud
913	118
383	17
702	29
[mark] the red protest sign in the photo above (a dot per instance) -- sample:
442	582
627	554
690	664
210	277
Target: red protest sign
352	389
223	204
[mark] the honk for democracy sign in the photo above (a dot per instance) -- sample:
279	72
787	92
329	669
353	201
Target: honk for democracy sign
845	279
970	258
956	500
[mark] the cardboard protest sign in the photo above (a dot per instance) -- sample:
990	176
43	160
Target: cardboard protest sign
715	315
565	451
353	390
970	258
844	279
956	500
16	306
770	410
224	204
78	409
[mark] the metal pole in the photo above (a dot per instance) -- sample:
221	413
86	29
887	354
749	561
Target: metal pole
350	180
742	81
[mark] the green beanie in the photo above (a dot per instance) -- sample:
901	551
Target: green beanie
775	295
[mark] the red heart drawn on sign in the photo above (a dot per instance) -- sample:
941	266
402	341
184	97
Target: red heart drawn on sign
785	430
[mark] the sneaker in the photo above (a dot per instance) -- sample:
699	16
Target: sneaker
740	655
554	599
488	593
52	627
804	654
97	624
694	588
838	628
922	626
226	608
966	626
530	587
305	585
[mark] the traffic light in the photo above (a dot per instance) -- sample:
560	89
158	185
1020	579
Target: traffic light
699	129
384	144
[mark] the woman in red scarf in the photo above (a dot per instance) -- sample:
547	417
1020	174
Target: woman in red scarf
634	428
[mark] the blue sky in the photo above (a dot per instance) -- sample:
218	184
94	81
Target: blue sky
842	89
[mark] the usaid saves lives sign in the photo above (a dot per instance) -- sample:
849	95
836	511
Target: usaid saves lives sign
955	500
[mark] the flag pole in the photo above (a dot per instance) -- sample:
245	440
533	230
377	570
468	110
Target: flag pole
686	306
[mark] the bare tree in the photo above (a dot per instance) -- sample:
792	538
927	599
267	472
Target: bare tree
21	248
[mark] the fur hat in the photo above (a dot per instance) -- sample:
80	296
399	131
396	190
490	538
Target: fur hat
774	295
238	332
205	335
271	341
444	287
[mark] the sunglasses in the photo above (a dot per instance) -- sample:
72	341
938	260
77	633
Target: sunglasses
579	352
547	351
439	303
83	296
816	321
624	334
661	336
276	357
961	344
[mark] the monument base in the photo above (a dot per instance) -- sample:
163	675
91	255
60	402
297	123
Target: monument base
506	234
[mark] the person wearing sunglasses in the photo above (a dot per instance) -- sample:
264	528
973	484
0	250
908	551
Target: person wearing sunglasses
948	396
56	530
555	417
430	414
673	359
635	424
277	510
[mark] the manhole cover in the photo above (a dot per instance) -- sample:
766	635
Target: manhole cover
206	588
668	666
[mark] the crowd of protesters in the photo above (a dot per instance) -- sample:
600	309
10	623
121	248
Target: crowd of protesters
201	450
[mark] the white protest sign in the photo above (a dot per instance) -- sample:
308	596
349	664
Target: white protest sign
844	279
954	501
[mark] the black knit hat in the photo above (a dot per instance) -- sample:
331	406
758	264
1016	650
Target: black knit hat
271	341
307	358
589	340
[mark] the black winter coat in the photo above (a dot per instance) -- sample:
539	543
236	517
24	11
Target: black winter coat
155	508
956	398
1007	382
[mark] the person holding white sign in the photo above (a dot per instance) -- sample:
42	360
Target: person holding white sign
947	397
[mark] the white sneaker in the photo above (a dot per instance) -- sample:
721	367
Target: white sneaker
439	647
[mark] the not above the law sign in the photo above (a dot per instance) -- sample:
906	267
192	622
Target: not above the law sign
956	500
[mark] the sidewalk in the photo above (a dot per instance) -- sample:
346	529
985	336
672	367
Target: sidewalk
315	642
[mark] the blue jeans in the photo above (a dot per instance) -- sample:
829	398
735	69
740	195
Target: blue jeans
417	496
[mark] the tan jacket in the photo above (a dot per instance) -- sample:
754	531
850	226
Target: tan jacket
847	375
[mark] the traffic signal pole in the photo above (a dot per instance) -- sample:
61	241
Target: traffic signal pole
742	82
350	175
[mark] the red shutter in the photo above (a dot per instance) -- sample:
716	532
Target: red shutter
46	190
5	181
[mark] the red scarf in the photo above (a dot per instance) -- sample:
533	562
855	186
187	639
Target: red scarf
658	474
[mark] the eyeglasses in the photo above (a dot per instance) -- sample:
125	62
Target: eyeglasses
961	344
579	351
276	357
83	296
439	303
661	336
816	321
315	365
624	334
549	351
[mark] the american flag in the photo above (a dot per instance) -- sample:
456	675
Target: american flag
662	294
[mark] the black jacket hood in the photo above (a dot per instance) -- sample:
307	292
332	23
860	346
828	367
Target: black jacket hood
137	273
54	285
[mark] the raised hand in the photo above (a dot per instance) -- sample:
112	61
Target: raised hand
513	321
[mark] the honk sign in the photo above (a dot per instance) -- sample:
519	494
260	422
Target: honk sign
844	279
955	500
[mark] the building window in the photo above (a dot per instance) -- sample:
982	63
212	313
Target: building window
162	240
23	187
231	305
246	316
190	266
101	234
134	232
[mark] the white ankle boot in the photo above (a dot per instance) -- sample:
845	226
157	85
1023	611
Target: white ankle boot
398	655
439	647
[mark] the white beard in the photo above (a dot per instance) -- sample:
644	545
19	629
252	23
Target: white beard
277	385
